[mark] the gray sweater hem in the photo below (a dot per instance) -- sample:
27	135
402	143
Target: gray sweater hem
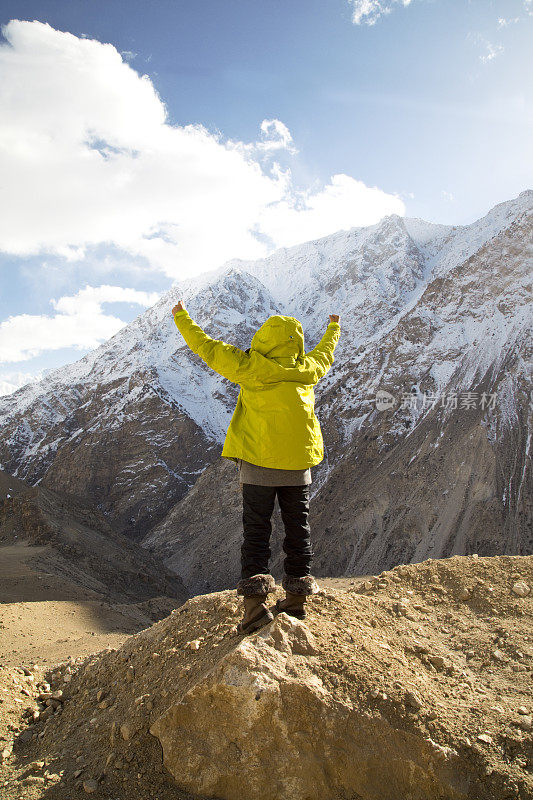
267	476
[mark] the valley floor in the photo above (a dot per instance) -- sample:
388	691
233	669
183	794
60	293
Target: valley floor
44	619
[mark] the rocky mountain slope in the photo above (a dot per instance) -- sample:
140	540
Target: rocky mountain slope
52	546
446	469
412	683
10	486
436	316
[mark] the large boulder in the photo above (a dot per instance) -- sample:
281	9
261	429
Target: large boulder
263	725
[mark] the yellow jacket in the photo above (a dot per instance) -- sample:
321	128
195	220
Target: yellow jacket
274	422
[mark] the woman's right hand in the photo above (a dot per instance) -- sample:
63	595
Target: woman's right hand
334	318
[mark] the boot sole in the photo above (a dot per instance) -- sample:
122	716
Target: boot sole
254	624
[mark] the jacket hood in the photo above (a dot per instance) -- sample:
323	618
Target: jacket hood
280	338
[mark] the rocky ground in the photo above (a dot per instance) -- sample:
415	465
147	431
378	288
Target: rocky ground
413	683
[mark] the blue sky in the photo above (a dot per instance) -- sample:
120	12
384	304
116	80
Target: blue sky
256	125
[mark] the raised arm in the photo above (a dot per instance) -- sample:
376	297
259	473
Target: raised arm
322	354
229	361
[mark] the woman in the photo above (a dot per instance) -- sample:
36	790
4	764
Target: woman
275	438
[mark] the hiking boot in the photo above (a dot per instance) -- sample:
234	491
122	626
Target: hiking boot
292	604
256	614
254	591
297	591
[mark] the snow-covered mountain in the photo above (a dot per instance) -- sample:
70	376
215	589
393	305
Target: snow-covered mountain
425	309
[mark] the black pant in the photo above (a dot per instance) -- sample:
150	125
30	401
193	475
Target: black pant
258	505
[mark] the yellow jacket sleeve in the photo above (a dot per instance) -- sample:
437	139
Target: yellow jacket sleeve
229	361
322	354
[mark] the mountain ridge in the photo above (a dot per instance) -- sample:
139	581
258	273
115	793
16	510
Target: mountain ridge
424	308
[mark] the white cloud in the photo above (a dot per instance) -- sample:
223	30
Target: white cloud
448	196
79	322
491	51
90	299
369	11
344	203
88	157
276	136
11	381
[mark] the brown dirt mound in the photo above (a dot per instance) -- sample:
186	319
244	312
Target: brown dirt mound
438	652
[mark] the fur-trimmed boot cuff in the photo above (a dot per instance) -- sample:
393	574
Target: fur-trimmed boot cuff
306	585
256	585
